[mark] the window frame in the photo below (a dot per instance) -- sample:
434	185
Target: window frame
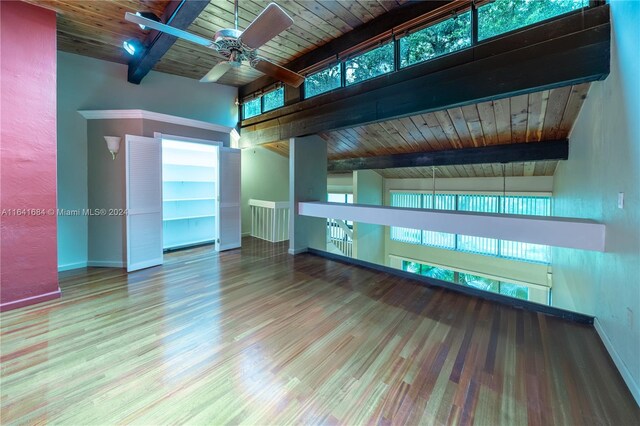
511	32
437	21
304	94
262	110
379	44
259	98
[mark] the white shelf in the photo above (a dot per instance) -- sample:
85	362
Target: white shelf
188	244
173	200
189	181
188	217
189	185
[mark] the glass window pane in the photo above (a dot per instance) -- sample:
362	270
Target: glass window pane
436	40
514	290
502	16
370	64
478	203
273	100
437	273
484	204
322	81
412	267
335	198
439	239
409	200
537	206
406	235
480	283
478	245
442	201
251	108
525	251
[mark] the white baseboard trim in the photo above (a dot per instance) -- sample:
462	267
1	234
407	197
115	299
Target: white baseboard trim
622	368
246	234
105	264
297	251
70	266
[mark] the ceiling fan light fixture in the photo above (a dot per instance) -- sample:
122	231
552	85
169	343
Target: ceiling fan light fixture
131	46
148	15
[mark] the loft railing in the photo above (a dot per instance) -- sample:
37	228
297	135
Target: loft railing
270	220
339	237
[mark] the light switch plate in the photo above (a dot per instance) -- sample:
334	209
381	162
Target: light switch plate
620	200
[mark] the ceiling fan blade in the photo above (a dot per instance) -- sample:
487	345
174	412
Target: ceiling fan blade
158	26
271	22
280	73
216	72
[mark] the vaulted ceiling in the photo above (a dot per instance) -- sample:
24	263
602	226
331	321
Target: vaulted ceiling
98	28
531	118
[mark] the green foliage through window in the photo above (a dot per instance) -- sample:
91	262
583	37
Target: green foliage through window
501	16
436	40
371	64
323	81
476	281
273	100
251	108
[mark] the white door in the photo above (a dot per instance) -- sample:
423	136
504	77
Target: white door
228	200
144	202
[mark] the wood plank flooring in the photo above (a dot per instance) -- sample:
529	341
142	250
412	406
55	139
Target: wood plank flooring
255	336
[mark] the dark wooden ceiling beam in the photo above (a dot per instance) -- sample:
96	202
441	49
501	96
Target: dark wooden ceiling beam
179	14
507	153
569	50
371	30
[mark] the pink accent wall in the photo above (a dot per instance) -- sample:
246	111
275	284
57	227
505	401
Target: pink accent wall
28	248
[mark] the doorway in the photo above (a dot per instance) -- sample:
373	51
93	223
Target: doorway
189	180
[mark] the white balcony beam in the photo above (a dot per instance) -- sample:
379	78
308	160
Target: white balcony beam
552	231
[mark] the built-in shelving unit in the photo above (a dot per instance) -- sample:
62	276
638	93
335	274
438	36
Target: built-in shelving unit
189	177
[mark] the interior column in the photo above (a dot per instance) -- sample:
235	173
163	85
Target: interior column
307	182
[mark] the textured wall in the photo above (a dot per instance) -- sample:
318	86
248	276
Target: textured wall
28	259
604	159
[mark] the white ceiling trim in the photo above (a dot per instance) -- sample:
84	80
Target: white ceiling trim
111	114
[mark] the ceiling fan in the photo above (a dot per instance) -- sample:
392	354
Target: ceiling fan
235	46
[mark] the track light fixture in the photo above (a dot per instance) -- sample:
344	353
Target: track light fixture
132	46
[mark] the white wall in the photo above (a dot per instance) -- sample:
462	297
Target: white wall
368	244
87	83
265	176
604	159
308	182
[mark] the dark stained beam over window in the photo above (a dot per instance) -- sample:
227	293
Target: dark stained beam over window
508	153
179	14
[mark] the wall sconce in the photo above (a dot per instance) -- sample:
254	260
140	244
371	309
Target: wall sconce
113	143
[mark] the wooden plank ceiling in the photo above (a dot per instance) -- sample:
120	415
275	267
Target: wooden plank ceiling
98	28
535	117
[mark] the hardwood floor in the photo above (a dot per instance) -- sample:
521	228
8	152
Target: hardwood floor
256	336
